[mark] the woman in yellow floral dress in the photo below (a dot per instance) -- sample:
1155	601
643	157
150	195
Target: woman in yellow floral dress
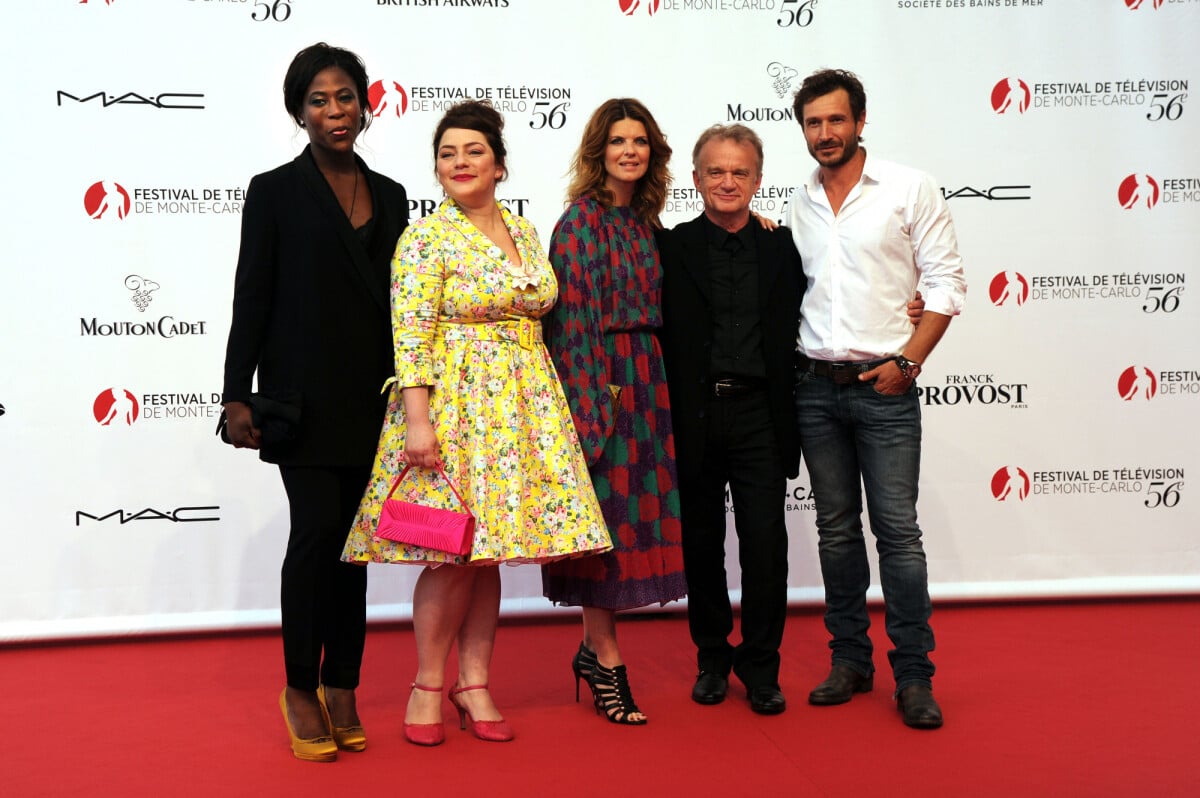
476	392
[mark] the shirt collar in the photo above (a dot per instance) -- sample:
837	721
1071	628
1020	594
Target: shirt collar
872	170
716	235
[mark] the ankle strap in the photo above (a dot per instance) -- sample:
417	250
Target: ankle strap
425	689
457	690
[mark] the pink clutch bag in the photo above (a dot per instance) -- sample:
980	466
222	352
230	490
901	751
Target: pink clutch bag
450	531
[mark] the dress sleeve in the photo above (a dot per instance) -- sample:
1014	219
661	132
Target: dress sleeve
573	330
418	275
253	292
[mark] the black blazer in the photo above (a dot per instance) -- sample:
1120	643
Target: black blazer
686	334
311	310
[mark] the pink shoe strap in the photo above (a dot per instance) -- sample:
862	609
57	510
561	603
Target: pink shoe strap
423	688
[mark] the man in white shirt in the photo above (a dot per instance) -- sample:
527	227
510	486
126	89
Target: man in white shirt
868	232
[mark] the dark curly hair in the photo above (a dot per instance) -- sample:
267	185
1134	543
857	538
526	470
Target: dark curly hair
480	116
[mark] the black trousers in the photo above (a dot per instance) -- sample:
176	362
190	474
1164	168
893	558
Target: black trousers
323	600
740	451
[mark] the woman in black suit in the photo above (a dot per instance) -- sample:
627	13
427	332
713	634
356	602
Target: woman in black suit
310	316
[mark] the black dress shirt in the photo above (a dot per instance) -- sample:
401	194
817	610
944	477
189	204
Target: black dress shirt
737	327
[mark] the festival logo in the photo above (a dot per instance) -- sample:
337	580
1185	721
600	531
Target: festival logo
782	13
1153	487
115	405
630	7
1010	482
387	94
1134	5
1010	94
547	107
106	2
1158	99
1137	382
1136	190
108	197
1006	286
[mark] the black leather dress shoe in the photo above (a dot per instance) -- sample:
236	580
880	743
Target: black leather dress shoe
767	700
840	686
710	688
920	709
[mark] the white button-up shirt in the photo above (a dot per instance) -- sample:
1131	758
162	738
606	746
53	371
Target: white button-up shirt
863	264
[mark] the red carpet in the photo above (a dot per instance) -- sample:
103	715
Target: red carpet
1078	699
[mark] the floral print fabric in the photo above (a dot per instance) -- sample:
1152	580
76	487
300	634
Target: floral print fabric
464	322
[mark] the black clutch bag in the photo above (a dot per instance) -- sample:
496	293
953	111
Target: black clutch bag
277	419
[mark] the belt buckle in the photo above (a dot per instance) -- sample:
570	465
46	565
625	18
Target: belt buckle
524	331
843	373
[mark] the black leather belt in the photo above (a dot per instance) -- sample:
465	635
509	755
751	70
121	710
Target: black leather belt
738	386
842	372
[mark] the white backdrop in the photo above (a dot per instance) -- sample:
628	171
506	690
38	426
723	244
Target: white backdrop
1060	410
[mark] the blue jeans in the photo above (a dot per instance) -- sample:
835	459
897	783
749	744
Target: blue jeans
857	440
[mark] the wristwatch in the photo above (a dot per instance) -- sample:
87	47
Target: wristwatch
909	368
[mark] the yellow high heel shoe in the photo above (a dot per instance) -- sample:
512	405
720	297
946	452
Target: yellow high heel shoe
311	749
348	738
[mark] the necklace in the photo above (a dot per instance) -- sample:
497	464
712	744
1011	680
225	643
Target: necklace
354	199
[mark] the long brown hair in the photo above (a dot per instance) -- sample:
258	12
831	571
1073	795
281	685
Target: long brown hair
587	167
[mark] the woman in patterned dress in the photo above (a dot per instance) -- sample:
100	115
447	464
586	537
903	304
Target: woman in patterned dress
601	335
475	392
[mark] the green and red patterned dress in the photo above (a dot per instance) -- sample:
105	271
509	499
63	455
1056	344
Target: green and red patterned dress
601	336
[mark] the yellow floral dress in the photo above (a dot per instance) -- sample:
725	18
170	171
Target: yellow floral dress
465	322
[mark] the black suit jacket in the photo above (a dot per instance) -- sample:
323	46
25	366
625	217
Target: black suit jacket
311	310
686	334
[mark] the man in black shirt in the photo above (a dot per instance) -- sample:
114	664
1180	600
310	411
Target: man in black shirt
731	305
